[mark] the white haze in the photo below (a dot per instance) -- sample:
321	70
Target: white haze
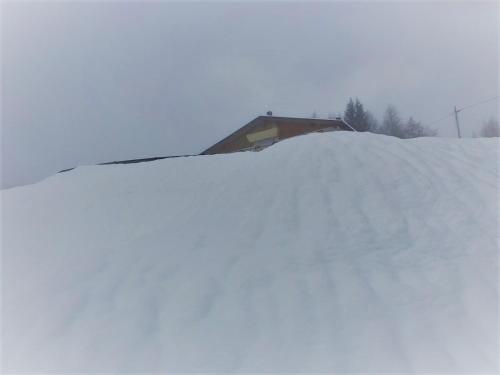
98	81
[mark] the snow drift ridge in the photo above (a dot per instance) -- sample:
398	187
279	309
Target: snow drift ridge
328	252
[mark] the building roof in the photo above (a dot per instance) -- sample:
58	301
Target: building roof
258	120
276	119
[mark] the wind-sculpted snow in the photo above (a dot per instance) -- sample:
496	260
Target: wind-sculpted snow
336	252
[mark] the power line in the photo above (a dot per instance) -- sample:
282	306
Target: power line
478	103
441	119
461	109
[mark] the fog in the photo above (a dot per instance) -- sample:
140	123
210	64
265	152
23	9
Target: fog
92	82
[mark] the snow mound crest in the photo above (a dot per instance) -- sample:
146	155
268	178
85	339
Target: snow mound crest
335	252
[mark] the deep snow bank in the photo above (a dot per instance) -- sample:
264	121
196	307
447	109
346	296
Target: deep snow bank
328	252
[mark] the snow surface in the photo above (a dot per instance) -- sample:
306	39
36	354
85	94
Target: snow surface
329	252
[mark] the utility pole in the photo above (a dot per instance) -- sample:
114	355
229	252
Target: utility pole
456	120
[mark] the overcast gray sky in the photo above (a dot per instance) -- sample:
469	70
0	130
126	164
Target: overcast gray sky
100	81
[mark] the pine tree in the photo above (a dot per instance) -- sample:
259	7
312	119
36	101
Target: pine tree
490	129
391	124
371	122
414	129
360	120
350	113
356	116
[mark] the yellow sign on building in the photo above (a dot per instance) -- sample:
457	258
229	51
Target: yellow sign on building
263	134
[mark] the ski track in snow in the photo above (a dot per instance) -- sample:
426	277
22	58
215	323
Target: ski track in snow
335	252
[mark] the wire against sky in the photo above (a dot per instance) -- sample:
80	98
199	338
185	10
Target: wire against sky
463	108
478	103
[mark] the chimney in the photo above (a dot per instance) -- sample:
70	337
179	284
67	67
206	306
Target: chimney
269	113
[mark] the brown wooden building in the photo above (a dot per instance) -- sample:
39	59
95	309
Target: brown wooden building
264	131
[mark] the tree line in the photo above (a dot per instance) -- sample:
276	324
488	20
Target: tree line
489	129
392	124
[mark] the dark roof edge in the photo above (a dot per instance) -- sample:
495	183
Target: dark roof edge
302	118
133	161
